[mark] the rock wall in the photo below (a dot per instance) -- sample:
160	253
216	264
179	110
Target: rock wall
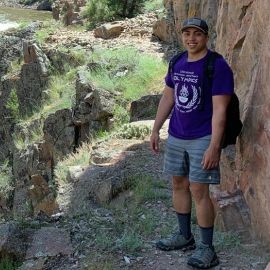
240	33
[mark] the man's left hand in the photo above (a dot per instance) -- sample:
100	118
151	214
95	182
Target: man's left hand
211	158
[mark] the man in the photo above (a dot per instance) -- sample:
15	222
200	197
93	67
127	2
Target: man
195	136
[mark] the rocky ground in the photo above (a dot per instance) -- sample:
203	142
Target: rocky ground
95	226
137	32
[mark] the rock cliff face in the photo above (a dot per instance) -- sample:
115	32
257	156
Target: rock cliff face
241	33
168	29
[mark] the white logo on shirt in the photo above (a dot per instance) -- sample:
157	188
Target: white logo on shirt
183	97
186	99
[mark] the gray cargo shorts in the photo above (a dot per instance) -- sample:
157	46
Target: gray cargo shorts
184	157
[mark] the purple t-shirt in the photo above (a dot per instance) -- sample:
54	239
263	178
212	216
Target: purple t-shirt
189	119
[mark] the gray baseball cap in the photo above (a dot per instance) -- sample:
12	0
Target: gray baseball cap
195	22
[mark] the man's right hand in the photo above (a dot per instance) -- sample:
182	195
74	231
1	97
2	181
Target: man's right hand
154	142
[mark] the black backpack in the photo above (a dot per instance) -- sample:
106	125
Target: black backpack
233	122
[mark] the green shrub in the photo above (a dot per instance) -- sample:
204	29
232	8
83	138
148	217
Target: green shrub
8	264
126	8
97	11
128	131
108	10
120	115
13	104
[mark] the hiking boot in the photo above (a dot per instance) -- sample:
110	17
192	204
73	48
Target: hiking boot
203	257
176	241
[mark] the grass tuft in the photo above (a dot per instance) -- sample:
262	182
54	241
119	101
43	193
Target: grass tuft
48	28
6	180
80	158
129	242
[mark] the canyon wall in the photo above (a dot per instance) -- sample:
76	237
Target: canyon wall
243	37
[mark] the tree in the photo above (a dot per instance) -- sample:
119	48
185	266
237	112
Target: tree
125	8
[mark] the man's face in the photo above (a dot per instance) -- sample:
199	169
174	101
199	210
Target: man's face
194	40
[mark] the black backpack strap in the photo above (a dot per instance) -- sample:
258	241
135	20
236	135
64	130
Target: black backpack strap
209	67
174	60
208	72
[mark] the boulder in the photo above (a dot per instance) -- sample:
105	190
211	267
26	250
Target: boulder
96	106
34	77
108	30
42	196
145	108
55	11
102	105
93	111
34	264
83	87
13	242
49	242
232	212
163	29
11	44
36	160
59	133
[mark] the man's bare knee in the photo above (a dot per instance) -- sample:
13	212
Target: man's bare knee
199	191
180	183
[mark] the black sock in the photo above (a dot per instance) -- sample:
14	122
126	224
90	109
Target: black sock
207	235
184	224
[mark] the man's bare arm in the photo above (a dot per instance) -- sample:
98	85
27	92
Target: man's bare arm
212	154
164	108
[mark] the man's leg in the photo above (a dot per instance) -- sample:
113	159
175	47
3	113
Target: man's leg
181	194
182	239
204	256
176	162
182	204
204	211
